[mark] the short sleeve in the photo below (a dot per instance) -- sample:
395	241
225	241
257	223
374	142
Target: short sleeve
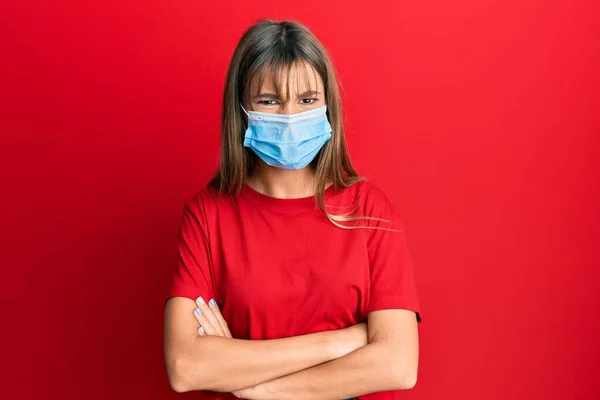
392	272
193	275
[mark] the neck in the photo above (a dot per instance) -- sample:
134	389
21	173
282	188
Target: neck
282	183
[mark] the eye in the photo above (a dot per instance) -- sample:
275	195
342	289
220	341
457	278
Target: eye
314	99
266	102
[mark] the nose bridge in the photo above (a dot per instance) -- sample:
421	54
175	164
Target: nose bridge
288	107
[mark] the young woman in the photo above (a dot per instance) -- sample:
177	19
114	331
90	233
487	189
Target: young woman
293	280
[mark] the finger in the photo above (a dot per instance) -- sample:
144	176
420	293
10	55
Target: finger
204	323
207	327
210	318
215	307
201	331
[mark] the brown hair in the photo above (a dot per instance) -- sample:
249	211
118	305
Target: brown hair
268	45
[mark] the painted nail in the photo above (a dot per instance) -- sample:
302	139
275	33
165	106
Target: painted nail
198	312
213	302
200	300
201	330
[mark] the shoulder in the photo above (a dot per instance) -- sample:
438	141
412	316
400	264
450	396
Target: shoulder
373	200
205	198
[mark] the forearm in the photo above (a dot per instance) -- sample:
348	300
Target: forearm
366	370
226	364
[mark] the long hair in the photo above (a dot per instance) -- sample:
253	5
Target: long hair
271	46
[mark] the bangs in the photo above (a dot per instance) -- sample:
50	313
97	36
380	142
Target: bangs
278	67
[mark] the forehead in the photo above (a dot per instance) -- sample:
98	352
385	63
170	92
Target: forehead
297	78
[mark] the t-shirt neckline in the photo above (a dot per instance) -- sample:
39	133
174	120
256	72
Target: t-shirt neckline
283	202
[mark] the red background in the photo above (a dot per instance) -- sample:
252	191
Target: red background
479	119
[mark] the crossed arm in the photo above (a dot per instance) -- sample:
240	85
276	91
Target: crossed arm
383	355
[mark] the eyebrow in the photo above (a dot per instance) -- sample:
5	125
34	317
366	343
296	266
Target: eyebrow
273	96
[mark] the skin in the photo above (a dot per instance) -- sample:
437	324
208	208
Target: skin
213	323
379	355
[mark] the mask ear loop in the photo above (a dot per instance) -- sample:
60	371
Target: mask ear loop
244	109
245	112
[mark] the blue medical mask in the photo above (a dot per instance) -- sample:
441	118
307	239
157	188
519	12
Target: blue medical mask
289	141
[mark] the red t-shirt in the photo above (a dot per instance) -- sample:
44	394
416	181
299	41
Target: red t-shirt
279	268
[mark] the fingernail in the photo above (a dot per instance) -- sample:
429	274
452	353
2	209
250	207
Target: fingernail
213	302
198	312
200	300
201	330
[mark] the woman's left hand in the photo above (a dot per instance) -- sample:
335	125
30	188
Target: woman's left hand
212	323
210	319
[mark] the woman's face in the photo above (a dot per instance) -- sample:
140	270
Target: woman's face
299	83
